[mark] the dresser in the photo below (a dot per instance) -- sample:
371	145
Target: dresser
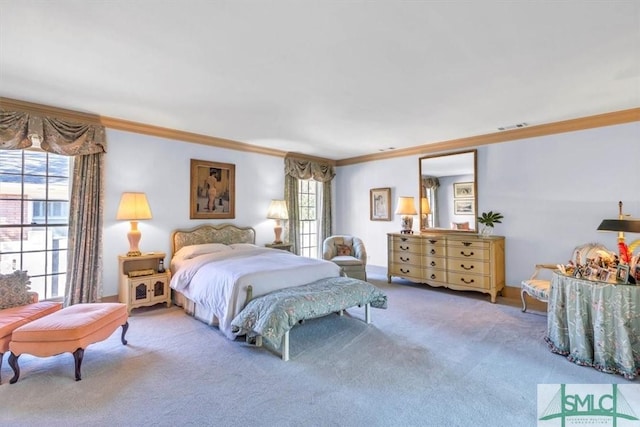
458	261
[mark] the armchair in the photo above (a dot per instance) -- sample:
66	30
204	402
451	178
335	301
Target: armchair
348	252
538	288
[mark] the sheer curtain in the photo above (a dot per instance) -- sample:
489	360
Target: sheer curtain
87	143
299	168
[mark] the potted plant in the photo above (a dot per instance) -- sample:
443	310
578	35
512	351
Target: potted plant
488	221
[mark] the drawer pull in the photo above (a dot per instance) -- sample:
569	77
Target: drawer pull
433	263
466	268
403	259
402	270
467	243
463	254
433	242
433	277
404	248
463	280
433	252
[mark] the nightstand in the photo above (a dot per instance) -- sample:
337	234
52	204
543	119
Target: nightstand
149	288
281	246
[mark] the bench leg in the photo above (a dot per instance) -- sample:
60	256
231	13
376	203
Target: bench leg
1	355
285	347
13	362
524	301
125	327
367	313
77	356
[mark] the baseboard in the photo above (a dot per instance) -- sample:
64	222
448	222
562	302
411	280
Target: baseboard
110	298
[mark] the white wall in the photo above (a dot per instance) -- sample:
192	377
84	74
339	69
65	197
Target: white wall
161	168
552	190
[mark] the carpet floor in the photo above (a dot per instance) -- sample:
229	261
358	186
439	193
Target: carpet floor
435	357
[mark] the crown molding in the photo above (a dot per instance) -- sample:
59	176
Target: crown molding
572	125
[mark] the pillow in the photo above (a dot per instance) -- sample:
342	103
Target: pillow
191	251
14	289
460	225
243	246
344	250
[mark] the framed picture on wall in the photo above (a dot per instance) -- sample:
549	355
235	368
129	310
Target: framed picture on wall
380	204
464	206
213	194
463	189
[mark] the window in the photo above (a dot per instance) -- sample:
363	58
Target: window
34	217
308	206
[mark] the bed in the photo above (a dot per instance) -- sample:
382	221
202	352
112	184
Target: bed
217	269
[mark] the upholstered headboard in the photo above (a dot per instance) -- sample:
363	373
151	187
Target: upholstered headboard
224	233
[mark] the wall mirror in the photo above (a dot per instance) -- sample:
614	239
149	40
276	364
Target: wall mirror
448	192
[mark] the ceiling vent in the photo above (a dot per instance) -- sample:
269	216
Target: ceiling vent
516	126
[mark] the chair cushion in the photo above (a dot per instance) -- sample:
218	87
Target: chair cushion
14	289
346	260
539	289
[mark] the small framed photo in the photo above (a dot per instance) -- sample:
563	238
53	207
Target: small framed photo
463	189
622	273
464	206
603	275
380	204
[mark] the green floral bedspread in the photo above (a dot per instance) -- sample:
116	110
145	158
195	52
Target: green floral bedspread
272	315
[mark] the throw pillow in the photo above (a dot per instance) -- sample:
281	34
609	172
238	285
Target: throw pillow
460	225
14	289
344	250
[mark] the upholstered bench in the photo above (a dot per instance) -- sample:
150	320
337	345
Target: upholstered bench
271	316
69	330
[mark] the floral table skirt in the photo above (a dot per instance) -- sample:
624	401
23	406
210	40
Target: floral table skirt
595	324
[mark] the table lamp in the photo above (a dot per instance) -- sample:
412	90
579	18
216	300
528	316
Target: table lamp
622	225
278	211
133	207
425	209
407	208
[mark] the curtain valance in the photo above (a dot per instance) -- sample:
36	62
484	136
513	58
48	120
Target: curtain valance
308	169
19	130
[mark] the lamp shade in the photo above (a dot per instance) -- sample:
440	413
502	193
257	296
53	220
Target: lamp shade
133	206
278	210
623	225
406	206
424	206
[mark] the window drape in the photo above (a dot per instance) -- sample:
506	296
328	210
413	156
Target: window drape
87	143
296	169
430	186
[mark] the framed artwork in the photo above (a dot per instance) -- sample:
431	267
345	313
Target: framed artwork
213	190
380	204
622	273
463	189
464	206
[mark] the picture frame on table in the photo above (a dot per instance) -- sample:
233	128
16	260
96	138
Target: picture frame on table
603	275
463	190
213	190
622	273
464	206
380	204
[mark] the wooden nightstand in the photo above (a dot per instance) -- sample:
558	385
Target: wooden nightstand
145	290
281	246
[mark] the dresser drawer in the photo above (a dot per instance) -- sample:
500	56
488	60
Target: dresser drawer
430	242
406	247
469	266
406	270
431	262
406	258
435	276
469	243
474	254
435	251
469	280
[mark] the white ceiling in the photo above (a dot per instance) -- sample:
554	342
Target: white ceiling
336	79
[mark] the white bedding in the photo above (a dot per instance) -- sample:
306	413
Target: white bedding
218	281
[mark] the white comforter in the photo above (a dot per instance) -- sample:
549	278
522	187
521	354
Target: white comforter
218	281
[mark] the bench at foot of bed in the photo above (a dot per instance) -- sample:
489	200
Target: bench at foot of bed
272	316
